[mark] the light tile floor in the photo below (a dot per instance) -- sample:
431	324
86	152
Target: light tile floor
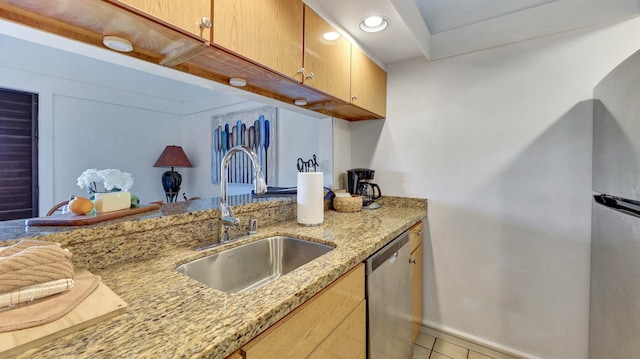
428	347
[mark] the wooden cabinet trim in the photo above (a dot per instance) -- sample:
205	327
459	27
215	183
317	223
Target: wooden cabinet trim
416	236
417	265
219	65
235	355
416	242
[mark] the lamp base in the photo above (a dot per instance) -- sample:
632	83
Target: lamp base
171	181
171	196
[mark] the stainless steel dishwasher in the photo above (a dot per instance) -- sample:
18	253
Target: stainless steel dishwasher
389	328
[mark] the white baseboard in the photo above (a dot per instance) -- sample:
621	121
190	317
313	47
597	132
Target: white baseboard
478	345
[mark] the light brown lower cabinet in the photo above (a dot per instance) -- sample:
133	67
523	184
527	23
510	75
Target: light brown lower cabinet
332	321
235	355
416	237
416	289
348	340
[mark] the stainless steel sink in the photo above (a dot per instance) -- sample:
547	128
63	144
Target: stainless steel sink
253	265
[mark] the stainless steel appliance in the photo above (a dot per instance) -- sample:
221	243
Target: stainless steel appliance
359	182
389	328
614	322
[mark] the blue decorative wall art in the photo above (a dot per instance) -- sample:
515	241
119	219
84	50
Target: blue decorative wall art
255	128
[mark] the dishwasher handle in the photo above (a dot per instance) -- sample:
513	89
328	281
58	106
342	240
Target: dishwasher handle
388	252
393	258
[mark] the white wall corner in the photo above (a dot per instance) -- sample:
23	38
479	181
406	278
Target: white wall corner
410	14
341	152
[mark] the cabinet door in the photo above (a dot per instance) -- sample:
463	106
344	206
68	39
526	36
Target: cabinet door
368	83
185	14
268	32
348	340
417	264
326	62
300	332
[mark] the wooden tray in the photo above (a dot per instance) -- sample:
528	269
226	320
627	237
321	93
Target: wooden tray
100	305
81	219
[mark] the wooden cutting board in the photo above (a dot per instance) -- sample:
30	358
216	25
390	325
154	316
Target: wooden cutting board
81	219
100	305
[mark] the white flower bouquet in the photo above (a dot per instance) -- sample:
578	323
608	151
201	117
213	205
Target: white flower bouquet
113	180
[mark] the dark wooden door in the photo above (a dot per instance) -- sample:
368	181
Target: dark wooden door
18	155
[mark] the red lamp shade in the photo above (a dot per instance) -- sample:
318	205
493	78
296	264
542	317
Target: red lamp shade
173	156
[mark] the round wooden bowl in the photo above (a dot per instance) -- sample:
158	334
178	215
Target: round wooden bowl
347	204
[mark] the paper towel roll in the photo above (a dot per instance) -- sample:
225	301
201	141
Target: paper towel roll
310	198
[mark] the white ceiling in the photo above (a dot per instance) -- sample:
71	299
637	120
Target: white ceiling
441	28
447	15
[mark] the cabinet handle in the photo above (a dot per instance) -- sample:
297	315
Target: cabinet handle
301	71
310	76
412	261
354	97
419	233
205	23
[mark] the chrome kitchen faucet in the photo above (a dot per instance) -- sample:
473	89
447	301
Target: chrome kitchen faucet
227	218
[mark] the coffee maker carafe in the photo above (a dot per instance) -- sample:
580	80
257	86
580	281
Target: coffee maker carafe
359	183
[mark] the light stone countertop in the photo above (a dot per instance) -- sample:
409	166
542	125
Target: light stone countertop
172	316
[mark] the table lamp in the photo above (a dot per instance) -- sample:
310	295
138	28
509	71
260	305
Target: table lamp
172	156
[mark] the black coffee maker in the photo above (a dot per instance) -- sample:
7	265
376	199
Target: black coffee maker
359	182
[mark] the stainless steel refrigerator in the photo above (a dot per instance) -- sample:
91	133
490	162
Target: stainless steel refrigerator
614	322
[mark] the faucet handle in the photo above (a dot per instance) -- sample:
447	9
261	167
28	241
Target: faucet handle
227	217
231	221
253	225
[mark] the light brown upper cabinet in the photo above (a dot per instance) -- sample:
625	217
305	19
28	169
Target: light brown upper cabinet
368	83
193	16
266	32
260	40
327	59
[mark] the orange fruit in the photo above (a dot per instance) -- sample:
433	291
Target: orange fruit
80	205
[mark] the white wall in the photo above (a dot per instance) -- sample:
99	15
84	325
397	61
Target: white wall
88	133
341	152
86	126
499	141
301	136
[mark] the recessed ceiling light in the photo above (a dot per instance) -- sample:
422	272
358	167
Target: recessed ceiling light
374	23
331	36
117	43
237	82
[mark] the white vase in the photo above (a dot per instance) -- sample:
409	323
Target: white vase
112	201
